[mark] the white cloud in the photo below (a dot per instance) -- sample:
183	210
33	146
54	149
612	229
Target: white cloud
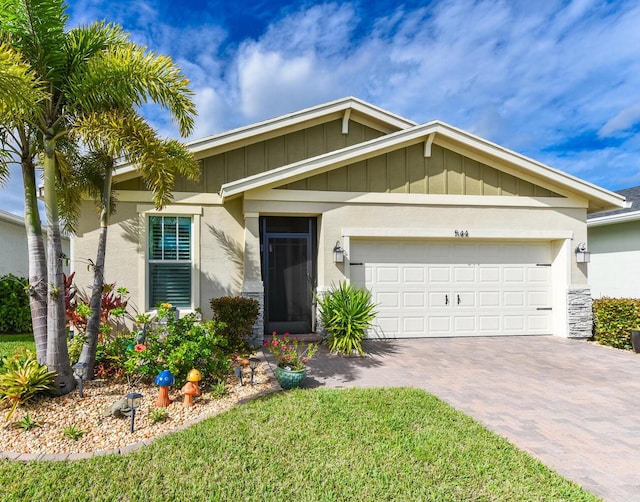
623	121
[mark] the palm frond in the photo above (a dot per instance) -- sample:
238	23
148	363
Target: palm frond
20	89
127	76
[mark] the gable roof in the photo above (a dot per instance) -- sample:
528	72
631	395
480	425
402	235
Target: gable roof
630	213
348	108
442	134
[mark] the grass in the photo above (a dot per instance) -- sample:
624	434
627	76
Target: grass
9	343
355	444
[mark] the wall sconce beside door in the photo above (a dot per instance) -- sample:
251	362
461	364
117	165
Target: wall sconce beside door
338	253
582	255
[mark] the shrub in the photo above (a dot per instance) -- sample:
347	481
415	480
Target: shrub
179	345
22	377
15	313
614	318
238	315
346	313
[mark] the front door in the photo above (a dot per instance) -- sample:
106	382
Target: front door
288	270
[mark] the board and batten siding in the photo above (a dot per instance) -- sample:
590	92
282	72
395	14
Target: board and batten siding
267	155
407	170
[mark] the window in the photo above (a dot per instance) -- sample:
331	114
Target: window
170	259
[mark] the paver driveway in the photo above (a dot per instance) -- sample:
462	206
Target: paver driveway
573	405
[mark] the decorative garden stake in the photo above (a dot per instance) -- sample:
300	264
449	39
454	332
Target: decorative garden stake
164	380
238	371
191	388
133	401
80	371
253	364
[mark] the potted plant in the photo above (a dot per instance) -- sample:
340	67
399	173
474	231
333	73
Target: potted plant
635	339
292	357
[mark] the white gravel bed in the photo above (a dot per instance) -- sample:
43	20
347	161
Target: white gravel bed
110	433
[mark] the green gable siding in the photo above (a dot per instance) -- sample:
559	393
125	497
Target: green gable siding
408	171
270	154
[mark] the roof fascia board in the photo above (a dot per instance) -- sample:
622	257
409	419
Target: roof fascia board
11	218
612	219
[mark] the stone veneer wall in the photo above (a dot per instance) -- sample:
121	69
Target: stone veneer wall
319	327
257	333
580	312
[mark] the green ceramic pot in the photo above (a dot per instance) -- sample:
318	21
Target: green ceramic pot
289	379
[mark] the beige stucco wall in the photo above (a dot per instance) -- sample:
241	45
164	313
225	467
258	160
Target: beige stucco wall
218	249
219	237
487	222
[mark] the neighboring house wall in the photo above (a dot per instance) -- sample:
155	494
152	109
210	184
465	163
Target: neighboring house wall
14	254
615	260
14	258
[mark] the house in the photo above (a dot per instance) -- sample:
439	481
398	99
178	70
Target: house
614	242
14	256
453	234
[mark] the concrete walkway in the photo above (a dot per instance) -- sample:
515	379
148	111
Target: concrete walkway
573	405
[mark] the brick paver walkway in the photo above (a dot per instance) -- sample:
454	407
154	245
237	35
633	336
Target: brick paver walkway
573	405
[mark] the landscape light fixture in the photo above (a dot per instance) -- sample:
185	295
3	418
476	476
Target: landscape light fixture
133	401
253	364
80	372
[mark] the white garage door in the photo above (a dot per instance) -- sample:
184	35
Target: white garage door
442	288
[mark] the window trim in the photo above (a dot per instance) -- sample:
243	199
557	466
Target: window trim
146	210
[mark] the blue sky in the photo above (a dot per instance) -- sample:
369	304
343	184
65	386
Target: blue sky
558	81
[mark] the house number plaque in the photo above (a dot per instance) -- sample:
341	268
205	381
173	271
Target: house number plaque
461	233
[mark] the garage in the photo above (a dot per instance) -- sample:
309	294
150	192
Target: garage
439	288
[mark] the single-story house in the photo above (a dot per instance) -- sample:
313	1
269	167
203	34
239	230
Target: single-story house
454	235
614	241
14	254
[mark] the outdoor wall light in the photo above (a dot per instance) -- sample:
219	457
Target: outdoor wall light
80	372
253	364
582	255
338	253
133	401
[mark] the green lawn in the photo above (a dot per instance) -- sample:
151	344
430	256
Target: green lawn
356	444
9	343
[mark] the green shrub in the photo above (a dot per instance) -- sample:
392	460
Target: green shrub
22	377
614	318
238	315
346	313
179	345
73	432
15	313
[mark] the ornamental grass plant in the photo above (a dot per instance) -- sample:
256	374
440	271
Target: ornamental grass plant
346	312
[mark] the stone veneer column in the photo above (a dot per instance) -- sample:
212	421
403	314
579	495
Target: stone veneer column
252	286
580	313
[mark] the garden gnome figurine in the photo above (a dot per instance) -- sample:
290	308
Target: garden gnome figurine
191	388
164	380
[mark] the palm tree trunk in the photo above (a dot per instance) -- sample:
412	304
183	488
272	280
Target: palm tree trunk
57	351
37	259
89	348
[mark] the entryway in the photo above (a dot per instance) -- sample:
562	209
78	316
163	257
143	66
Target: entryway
288	257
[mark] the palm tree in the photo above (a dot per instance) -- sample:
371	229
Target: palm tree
20	93
87	72
135	141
